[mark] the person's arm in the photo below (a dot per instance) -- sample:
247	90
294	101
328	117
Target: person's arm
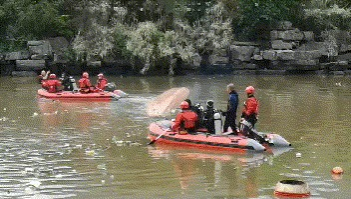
46	75
177	122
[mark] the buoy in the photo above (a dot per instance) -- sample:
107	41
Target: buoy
298	155
337	170
292	188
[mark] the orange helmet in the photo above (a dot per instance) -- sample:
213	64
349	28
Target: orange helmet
184	105
85	75
250	90
52	76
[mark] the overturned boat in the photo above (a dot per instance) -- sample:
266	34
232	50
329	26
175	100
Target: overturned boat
161	132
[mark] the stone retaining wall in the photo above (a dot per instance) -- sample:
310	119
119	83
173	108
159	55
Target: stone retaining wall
290	50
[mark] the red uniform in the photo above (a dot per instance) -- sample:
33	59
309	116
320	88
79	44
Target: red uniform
186	120
101	84
84	85
51	85
251	106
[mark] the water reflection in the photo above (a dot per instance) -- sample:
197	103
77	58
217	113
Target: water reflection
78	115
235	173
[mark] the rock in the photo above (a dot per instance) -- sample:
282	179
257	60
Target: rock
284	25
43	49
214	59
285	55
34	43
11	56
308	35
281	45
269	55
94	64
242	53
24	73
30	65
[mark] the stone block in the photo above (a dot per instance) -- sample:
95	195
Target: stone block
281	45
269	55
285	55
257	57
300	62
215	59
242	53
307	55
38	57
284	25
11	56
94	64
44	49
318	46
30	65
24	73
292	35
308	35
274	35
34	43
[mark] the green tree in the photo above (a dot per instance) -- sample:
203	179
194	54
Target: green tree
143	43
255	18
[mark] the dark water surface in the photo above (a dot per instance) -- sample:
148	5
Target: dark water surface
52	149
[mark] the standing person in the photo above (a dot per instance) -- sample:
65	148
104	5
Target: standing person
186	121
52	85
101	82
232	107
249	114
84	83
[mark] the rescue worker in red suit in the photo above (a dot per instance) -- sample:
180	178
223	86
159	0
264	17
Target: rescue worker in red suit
101	82
84	83
186	121
52	85
249	114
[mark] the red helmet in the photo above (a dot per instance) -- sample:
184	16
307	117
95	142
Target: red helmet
100	75
184	105
250	90
85	75
52	76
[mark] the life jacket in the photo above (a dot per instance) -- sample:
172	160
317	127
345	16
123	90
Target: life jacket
52	85
186	120
84	85
101	84
251	106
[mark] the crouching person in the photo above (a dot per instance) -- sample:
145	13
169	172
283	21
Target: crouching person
186	121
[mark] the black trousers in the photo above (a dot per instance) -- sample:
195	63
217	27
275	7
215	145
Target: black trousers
230	122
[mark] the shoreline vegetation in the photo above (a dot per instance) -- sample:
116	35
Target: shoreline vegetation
171	37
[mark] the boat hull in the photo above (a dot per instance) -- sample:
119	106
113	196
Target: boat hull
201	140
160	130
77	96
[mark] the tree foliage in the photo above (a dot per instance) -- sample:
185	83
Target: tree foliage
161	31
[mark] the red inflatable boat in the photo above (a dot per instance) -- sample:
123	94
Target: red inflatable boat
160	131
69	95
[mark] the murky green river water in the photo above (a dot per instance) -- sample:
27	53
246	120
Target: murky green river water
52	149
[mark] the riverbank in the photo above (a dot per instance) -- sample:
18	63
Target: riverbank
289	51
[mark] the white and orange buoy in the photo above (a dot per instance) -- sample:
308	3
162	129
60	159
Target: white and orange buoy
337	170
292	188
